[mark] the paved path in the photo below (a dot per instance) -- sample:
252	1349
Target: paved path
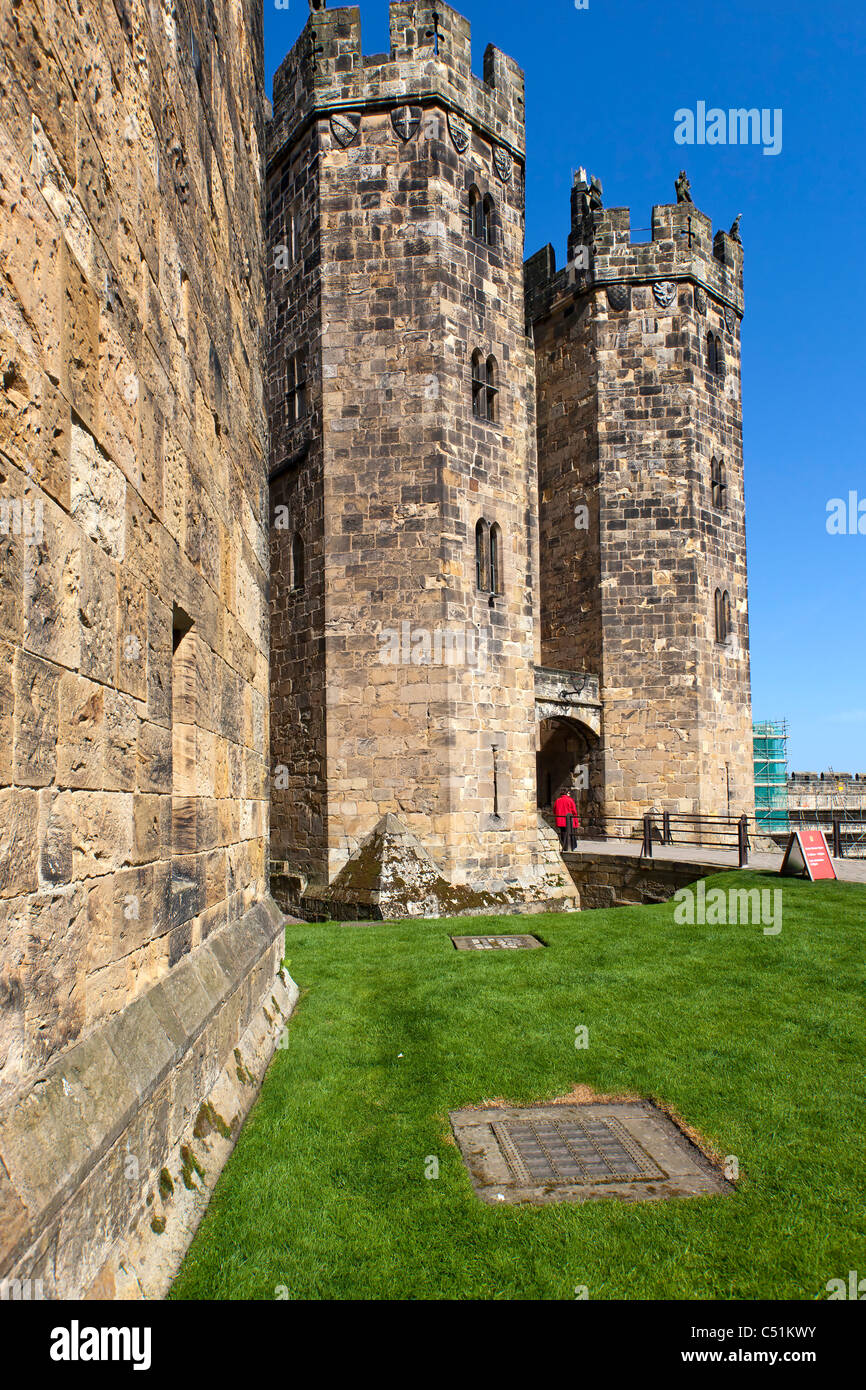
849	870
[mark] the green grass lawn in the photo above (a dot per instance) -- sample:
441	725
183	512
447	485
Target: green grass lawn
757	1041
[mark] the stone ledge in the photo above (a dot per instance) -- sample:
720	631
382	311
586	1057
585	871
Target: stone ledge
143	1075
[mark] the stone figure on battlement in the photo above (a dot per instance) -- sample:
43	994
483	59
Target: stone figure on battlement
684	188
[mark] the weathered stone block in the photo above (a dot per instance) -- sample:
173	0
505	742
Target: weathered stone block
154	758
82	734
79	338
121	744
34	421
52	589
37	685
19	847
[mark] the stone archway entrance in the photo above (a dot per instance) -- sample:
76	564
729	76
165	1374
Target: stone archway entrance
568	759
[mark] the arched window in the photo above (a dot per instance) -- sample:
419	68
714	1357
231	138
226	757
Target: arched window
489	235
297	562
719	482
723	616
711	354
297	387
492	389
476	214
720	358
479	386
481	216
482	557
485	387
495	559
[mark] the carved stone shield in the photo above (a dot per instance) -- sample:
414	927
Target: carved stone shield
502	163
618	296
730	318
459	132
345	126
665	292
700	300
406	120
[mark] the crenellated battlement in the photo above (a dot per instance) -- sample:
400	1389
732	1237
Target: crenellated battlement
602	251
430	61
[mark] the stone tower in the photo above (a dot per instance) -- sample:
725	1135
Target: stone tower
641	508
403	478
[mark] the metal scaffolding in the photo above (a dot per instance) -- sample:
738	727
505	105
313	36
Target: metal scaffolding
770	738
837	799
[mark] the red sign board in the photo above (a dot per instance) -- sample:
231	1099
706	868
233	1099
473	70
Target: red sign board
807	853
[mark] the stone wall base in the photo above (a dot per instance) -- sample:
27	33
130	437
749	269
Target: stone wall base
108	1160
608	880
392	877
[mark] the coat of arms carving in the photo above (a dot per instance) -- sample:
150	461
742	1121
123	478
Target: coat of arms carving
345	126
665	292
502	163
459	132
618	296
406	120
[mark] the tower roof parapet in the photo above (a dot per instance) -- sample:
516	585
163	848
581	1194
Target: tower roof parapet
326	72
603	251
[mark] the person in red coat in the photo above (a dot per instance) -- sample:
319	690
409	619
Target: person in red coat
563	807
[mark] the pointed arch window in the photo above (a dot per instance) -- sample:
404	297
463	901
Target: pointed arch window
485	387
492	394
711	354
297	383
489	223
481	210
496	558
294	235
479	385
298	563
722	602
719	482
476	214
482	556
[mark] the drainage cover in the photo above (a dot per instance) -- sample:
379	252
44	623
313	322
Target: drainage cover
562	1153
496	943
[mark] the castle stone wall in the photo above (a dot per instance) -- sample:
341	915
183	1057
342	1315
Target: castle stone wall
133	618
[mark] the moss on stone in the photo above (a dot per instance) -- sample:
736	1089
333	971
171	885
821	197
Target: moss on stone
209	1121
191	1168
165	1184
157	1225
202	1127
245	1077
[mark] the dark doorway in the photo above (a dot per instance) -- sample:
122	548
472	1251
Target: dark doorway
567	760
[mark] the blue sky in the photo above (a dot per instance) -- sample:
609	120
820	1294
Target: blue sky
602	87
